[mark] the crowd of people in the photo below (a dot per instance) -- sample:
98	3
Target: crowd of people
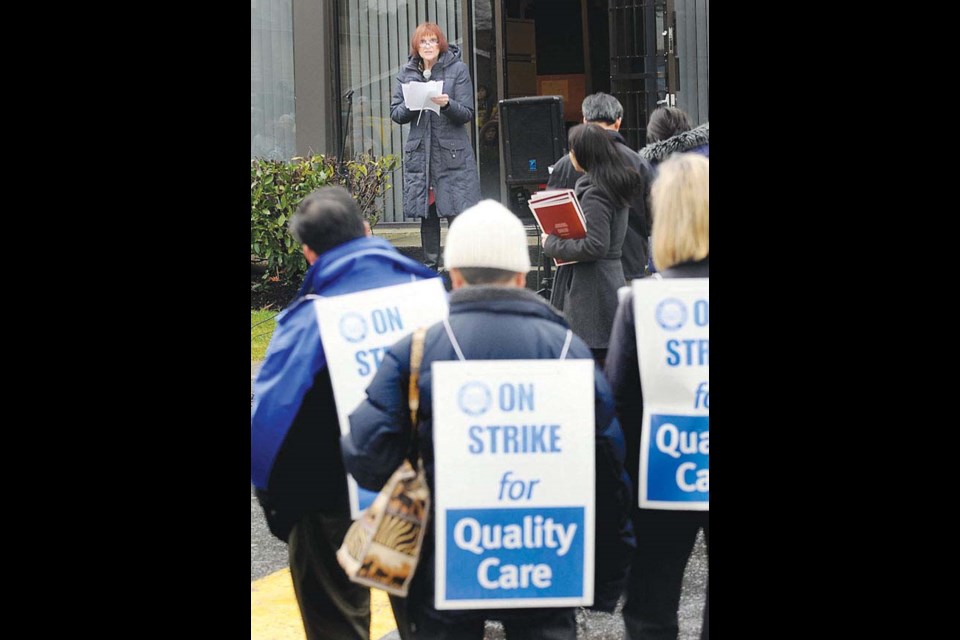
647	218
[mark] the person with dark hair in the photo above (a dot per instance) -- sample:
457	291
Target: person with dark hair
586	291
665	538
439	168
606	112
669	131
296	465
492	317
666	122
327	218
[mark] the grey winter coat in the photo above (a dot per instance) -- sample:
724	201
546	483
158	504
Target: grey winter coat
586	292
438	152
634	253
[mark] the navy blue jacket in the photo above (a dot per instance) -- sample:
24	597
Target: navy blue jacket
490	323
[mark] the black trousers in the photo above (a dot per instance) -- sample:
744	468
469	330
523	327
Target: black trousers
665	540
332	607
430	237
520	624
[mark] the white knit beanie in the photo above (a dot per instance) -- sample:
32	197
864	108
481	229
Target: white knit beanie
487	235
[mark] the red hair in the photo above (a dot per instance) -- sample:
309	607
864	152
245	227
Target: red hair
427	29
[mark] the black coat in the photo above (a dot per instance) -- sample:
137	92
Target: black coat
622	367
634	254
490	323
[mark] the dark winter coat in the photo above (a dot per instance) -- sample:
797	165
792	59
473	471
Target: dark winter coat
634	253
489	322
697	140
438	151
586	292
622	368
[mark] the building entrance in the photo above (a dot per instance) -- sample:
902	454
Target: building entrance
534	48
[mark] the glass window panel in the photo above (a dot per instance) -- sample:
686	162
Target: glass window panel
272	113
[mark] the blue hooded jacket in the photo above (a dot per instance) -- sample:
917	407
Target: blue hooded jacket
295	358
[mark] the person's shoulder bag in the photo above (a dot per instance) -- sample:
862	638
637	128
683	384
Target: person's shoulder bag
382	547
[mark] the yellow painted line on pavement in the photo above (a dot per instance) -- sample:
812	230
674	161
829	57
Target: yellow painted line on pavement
381	615
275	615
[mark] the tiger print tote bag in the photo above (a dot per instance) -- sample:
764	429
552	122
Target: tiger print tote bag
382	547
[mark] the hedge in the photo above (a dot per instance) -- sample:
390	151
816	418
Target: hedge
277	187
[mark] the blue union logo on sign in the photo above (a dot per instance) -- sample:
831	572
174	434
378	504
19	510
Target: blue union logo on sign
671	314
474	398
353	327
514	553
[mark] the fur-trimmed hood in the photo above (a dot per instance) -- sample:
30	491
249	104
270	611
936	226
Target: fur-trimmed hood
696	140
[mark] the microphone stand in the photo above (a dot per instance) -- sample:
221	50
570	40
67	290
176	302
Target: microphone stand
346	130
519	197
546	263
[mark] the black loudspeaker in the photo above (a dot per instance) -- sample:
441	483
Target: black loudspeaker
533	137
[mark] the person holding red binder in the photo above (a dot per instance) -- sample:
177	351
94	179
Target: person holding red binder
586	292
605	111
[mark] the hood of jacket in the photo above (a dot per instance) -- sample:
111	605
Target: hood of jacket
501	299
447	58
686	141
332	264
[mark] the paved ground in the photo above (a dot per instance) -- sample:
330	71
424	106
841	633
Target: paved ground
275	614
592	625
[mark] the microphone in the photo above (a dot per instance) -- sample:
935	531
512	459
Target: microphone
427	74
348	95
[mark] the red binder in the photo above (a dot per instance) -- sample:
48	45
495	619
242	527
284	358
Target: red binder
558	213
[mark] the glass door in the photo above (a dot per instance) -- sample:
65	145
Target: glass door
488	86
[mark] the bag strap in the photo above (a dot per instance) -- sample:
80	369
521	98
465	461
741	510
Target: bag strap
416	357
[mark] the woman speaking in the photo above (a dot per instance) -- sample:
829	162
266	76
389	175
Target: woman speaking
439	167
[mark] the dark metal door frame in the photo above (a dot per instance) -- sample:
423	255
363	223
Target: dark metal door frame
640	71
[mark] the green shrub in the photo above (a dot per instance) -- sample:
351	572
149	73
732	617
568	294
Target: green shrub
277	187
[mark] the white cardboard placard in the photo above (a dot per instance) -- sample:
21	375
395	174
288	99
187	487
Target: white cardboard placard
672	319
356	330
514	463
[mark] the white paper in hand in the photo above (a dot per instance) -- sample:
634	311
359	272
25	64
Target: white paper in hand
416	95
